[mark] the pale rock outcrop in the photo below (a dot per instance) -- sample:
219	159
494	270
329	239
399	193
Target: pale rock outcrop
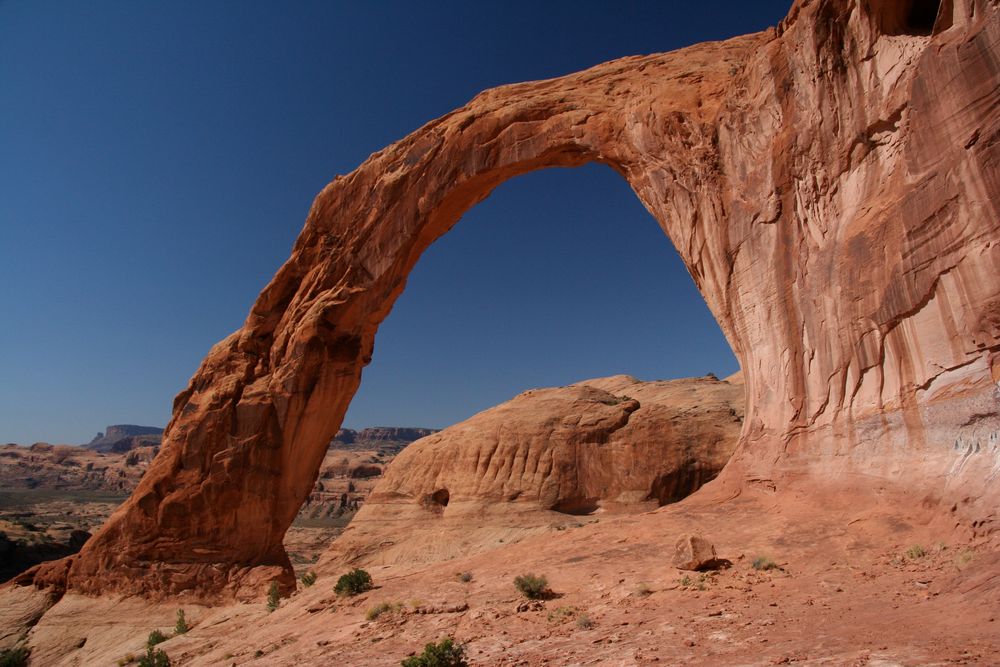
832	186
543	461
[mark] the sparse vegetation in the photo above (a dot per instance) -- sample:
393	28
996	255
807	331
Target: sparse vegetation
155	637
642	589
963	558
127	660
154	658
308	579
382	608
560	614
915	552
465	577
14	657
684	581
763	563
273	597
533	587
445	653
181	626
584	622
354	582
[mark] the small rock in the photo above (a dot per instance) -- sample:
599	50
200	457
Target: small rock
693	552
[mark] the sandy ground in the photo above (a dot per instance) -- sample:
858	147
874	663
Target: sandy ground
876	586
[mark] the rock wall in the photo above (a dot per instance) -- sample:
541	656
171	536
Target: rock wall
542	461
832	186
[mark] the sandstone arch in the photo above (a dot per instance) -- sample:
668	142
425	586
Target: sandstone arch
832	189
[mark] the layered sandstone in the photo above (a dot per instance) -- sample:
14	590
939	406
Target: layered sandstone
542	461
832	186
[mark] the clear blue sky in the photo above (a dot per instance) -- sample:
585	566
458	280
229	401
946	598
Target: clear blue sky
157	161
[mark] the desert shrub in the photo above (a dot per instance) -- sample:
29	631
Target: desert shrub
764	563
684	581
14	657
465	577
308	579
181	626
382	608
643	589
963	558
354	582
273	597
584	622
155	637
445	653
915	552
531	586
127	660
154	658
561	614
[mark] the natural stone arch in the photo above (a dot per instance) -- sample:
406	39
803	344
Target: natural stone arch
849	253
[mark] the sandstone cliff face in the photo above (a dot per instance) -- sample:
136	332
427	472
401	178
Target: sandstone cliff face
832	186
542	461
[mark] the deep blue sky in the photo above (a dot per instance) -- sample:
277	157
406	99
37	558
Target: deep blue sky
157	161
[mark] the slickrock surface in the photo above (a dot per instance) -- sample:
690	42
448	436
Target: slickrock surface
832	186
846	591
548	459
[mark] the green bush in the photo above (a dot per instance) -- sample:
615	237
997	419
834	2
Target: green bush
308	579
531	586
764	563
154	658
354	582
382	608
273	597
155	637
181	626
14	657
446	653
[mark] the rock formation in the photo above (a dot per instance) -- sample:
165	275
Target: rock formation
66	468
390	439
540	462
124	437
832	186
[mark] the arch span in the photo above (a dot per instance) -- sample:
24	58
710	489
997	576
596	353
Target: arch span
848	251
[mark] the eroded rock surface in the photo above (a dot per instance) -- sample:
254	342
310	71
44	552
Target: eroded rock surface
542	461
832	186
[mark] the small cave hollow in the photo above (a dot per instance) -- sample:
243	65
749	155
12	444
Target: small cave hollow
576	506
680	483
440	498
914	17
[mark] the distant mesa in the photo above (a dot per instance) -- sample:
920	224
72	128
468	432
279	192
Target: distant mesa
126	437
386	439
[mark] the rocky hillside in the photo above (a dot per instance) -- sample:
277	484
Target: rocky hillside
544	460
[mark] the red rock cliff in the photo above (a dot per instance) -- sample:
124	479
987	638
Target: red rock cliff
832	186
